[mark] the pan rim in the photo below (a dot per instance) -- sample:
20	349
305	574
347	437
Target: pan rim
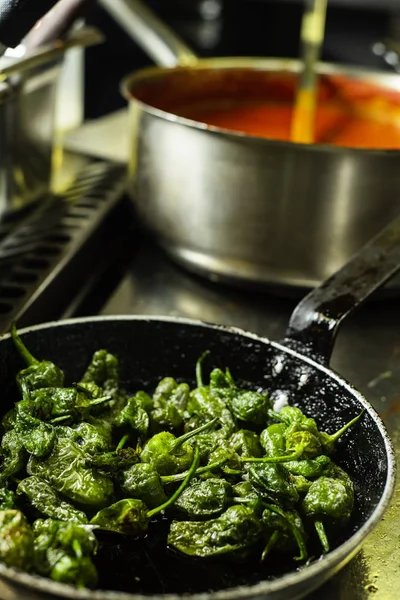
332	562
269	64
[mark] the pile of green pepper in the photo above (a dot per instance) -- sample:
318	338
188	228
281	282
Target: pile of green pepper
235	477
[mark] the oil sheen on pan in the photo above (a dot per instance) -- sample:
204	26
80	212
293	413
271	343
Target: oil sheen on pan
351	112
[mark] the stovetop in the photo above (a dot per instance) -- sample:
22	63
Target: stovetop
87	255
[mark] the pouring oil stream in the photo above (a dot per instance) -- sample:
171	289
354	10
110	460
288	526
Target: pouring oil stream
312	37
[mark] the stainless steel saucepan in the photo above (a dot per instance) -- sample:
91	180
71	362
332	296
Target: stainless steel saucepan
240	208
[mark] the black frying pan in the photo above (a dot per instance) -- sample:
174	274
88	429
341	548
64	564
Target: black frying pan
297	368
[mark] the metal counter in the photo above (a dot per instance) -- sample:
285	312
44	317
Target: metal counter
367	353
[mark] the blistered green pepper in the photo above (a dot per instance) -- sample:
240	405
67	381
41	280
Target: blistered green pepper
246	405
143	482
130	516
286	530
134	417
246	443
103	371
37	436
16	540
235	531
272	439
45	500
328	501
38	374
62	551
67	472
168	454
205	499
273	482
170	401
13	454
308	467
7	499
114	462
92	439
127	517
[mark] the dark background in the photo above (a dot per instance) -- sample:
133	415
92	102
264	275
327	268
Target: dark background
243	27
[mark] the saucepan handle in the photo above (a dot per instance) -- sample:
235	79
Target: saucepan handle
316	319
150	33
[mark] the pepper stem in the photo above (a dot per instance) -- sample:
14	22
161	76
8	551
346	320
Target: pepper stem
270	544
199	369
335	436
22	349
298	536
323	538
77	548
60	419
98	401
229	378
181	488
274	459
179	476
122	443
186	436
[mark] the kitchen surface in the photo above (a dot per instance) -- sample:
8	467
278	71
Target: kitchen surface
81	249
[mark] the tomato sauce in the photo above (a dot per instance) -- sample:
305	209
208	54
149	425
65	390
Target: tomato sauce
350	112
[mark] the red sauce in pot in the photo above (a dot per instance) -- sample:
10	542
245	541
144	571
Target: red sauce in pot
350	112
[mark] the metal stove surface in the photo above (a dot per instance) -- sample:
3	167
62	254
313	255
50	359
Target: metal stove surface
367	353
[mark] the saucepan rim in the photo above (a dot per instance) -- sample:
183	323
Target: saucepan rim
283	65
334	559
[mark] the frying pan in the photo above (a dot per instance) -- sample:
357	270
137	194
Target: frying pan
296	369
234	207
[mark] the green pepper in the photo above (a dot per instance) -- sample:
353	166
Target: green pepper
301	483
143	482
92	439
78	571
44	499
16	540
308	467
38	374
286	530
205	499
13	453
134	416
66	471
329	501
103	371
114	462
130	516
62	551
126	517
290	415
246	443
205	404
37	436
8	421
272	439
226	455
168	454
235	531
247	406
170	401
273	482
7	499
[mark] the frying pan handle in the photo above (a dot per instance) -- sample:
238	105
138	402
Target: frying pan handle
316	319
150	33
